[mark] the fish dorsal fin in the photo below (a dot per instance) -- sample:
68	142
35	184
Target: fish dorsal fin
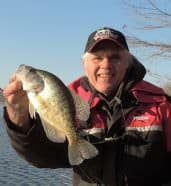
52	133
82	107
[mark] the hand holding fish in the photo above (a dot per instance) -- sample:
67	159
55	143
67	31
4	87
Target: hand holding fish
17	103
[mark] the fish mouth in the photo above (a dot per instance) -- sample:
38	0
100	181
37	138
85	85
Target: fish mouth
21	68
24	67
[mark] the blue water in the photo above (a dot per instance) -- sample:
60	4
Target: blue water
15	171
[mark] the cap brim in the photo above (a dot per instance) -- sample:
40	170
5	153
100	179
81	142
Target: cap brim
100	40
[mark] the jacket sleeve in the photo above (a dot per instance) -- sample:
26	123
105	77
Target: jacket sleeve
35	147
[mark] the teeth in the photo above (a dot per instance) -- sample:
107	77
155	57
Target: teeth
105	75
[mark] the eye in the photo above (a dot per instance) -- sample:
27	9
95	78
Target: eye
97	58
115	59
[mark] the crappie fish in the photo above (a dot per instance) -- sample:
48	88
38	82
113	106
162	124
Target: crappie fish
58	108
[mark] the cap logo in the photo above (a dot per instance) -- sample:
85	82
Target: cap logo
104	34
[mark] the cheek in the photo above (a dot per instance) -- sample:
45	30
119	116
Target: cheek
89	70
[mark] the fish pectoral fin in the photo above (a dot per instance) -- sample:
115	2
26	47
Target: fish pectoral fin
52	133
32	111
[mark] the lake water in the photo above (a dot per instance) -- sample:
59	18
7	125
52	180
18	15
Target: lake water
14	171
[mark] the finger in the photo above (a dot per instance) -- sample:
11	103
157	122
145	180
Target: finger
19	97
13	78
12	88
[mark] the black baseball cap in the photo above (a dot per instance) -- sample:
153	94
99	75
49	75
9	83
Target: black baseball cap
105	33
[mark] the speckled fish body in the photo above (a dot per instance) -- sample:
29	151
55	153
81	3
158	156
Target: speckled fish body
58	108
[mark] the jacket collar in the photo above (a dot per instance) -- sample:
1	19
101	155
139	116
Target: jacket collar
148	93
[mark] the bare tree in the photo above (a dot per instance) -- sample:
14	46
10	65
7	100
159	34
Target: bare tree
152	17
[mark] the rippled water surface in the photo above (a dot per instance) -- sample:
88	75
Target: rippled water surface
14	171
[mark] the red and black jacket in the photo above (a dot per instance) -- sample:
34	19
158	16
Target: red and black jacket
140	150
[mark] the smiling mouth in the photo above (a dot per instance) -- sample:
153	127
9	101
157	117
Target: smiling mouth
105	75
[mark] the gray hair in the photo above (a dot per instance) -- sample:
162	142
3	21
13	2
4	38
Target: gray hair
84	56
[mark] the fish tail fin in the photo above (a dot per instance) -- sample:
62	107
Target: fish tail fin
80	151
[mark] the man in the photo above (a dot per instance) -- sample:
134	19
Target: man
130	120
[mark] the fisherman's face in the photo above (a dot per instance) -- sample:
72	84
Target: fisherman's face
106	66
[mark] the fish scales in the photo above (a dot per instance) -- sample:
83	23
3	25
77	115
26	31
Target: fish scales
59	115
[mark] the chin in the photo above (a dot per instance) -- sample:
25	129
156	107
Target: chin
106	91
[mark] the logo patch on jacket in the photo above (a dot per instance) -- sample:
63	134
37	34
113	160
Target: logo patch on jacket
141	118
144	122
